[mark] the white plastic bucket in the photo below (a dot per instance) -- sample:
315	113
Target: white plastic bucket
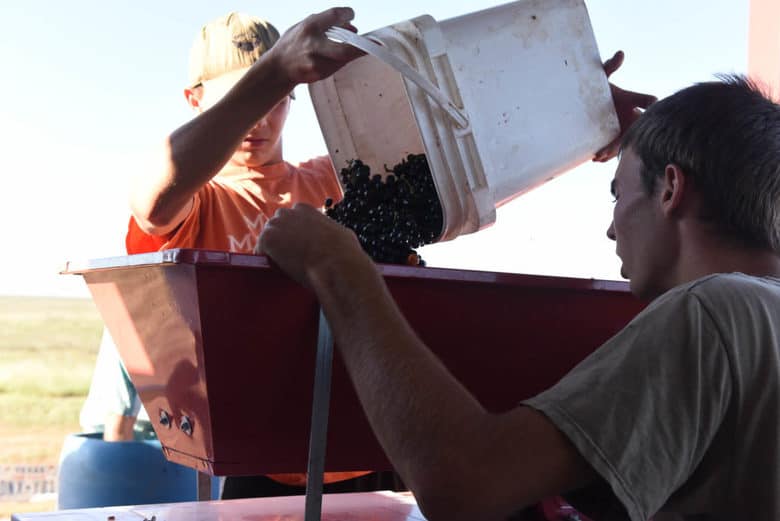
529	100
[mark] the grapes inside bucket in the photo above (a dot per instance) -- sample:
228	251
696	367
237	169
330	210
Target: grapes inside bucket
391	213
498	101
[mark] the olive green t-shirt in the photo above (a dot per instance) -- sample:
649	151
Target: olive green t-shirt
680	411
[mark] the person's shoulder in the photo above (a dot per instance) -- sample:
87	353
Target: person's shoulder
733	283
717	286
727	289
317	166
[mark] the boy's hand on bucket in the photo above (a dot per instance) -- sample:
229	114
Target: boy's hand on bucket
629	105
305	55
302	241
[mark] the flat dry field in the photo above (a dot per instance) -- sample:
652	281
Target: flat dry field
47	353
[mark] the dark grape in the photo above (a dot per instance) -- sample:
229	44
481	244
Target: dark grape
392	216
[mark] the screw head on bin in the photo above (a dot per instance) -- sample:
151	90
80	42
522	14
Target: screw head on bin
165	419
186	425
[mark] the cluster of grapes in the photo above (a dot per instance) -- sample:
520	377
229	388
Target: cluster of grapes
391	216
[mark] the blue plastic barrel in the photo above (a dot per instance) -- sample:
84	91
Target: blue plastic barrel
96	473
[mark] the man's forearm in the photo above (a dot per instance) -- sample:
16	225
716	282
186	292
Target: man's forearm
441	440
196	151
461	461
199	149
423	417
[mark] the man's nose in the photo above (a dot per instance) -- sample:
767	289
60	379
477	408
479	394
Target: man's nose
611	231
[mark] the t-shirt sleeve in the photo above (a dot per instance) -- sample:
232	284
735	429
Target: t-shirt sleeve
322	168
643	409
184	236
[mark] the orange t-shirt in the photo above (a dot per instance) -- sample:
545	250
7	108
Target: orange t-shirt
228	214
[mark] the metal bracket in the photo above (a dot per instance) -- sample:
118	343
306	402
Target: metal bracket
319	421
204	486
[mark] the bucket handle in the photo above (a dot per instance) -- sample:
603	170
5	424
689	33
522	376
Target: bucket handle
341	35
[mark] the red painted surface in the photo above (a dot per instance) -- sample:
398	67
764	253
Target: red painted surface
764	44
229	341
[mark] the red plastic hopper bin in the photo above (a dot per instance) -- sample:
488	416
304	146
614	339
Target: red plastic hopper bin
221	348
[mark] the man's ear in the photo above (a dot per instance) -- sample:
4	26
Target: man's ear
674	188
193	99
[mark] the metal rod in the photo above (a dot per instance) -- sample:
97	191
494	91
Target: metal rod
204	487
319	422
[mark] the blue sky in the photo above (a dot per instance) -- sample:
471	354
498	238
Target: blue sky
89	88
